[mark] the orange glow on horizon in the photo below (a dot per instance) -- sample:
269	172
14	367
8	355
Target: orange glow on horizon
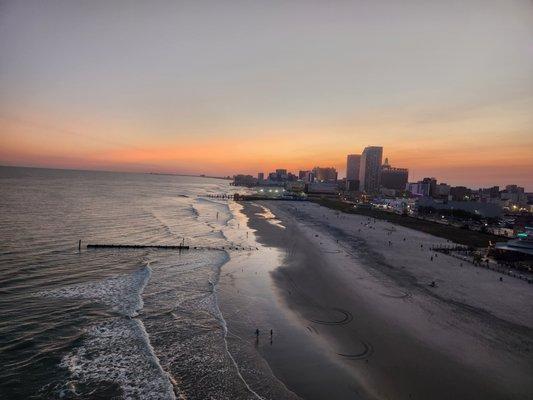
457	159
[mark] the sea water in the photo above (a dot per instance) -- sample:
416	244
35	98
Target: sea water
112	323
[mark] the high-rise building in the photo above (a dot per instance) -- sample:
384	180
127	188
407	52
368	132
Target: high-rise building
393	178
328	174
260	177
353	162
370	170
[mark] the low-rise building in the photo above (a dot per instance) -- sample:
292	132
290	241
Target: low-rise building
244	180
327	174
393	178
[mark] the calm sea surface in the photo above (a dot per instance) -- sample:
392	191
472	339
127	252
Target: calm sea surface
111	322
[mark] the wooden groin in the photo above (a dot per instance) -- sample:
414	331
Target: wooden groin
170	247
136	246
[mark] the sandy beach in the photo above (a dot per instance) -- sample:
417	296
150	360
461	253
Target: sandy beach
353	315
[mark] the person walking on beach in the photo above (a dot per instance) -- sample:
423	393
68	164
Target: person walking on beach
257	333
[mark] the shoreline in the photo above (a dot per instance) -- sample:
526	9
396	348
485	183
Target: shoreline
249	300
371	314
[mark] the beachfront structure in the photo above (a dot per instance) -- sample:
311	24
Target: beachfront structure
393	178
323	188
370	169
328	174
274	192
353	163
522	244
486	210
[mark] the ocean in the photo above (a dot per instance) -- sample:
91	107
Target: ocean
112	323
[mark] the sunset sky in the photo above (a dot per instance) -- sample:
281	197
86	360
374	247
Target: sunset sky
224	87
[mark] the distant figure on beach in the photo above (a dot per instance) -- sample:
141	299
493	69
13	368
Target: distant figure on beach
257	333
431	258
271	332
433	284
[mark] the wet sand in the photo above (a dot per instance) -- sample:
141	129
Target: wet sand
290	364
354	317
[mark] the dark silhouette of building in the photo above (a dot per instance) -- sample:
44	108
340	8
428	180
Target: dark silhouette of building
370	170
303	174
353	163
460	193
328	174
393	178
432	183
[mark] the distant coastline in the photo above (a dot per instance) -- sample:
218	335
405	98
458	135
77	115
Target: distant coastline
226	178
117	172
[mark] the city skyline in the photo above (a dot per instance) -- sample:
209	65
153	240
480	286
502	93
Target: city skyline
238	88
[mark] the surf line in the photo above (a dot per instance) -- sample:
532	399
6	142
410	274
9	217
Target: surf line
225	327
174	388
213	285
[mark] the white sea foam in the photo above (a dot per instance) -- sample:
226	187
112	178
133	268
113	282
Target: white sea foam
122	293
119	351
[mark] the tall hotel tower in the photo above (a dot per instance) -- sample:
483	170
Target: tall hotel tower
370	170
353	161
